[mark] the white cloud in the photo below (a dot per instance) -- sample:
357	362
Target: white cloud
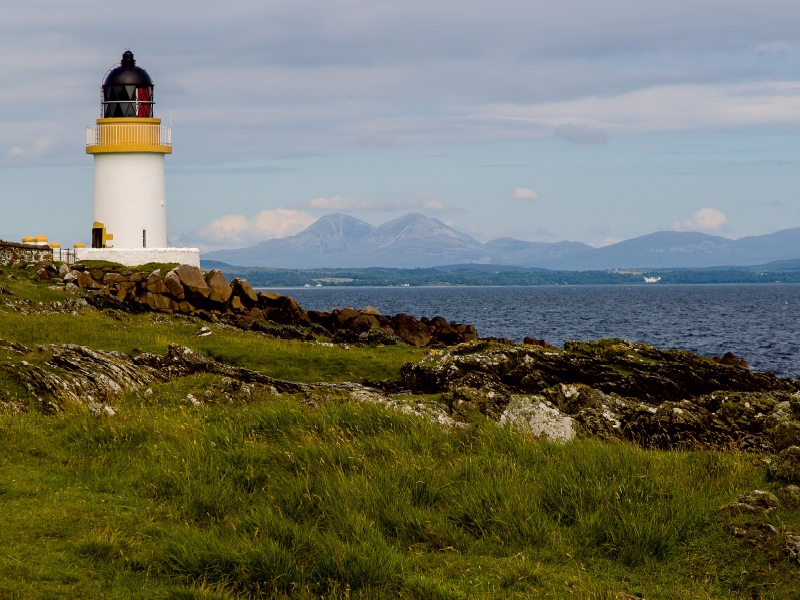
268	224
433	205
665	108
426	202
524	194
581	134
705	219
349	204
33	153
333	203
609	241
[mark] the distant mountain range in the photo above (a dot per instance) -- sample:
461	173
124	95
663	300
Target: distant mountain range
417	241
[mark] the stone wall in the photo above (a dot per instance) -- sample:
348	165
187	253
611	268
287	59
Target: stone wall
11	253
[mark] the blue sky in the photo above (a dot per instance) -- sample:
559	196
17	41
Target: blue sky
541	121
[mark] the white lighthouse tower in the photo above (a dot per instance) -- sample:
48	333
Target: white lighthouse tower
129	145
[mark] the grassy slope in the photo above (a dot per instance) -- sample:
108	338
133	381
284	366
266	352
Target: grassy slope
272	497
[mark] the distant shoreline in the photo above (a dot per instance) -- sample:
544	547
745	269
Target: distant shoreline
474	275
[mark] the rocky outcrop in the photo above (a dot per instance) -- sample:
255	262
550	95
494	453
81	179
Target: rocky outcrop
81	375
207	295
613	388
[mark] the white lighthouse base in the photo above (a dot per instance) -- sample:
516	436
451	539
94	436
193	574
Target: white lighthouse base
133	257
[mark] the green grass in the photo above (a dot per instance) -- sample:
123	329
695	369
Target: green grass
268	497
282	359
274	499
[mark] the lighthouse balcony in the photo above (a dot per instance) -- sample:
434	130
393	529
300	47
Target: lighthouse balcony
134	134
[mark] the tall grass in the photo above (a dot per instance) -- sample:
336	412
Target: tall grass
273	499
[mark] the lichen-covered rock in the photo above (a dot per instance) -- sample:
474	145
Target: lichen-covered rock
757	501
531	416
379	335
792	494
787	465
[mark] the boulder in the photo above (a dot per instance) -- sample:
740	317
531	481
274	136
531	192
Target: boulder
174	286
531	416
283	309
363	323
381	336
467	333
757	501
241	288
45	271
787	465
155	285
730	359
370	310
346	314
86	282
70	278
269	299
193	282
410	330
236	304
220	291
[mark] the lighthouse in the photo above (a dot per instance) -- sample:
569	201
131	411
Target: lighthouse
129	144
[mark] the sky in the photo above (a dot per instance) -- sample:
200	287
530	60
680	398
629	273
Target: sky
543	121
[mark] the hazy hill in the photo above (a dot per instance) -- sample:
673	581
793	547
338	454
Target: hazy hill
417	241
508	251
672	249
414	240
319	245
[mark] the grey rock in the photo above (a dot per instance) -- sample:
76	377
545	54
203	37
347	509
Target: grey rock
531	416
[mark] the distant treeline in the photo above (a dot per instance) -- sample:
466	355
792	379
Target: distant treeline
267	277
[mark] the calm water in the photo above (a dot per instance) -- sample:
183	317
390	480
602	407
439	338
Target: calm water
760	323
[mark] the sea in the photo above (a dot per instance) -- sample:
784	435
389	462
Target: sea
757	322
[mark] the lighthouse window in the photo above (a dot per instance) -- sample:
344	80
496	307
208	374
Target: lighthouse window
144	238
145	109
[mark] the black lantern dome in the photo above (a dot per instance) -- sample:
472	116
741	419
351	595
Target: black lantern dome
127	90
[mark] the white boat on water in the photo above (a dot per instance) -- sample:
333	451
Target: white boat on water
652	279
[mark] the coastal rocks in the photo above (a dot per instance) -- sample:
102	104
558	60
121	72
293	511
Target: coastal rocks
192	282
787	466
189	290
612	388
219	290
531	416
